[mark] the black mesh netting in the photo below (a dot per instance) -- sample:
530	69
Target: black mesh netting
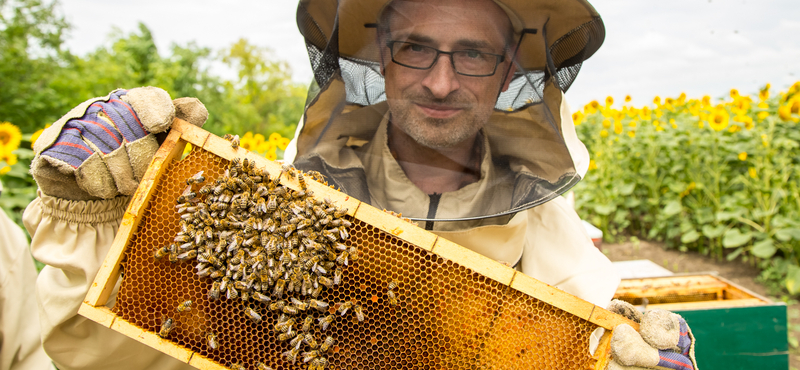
365	85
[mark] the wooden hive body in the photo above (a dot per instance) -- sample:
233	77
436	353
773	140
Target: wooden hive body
457	309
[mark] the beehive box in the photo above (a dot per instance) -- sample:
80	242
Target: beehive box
734	327
456	309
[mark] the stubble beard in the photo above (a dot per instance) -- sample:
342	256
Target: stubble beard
437	133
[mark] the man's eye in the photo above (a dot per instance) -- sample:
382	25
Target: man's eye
473	54
415	47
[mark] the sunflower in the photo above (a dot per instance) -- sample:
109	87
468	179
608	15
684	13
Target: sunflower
36	135
628	98
271	156
283	143
743	156
718	119
706	101
604	133
752	172
632	134
606	123
577	118
764	94
734	93
618	128
274	137
762	116
657	100
10	137
609	101
592	164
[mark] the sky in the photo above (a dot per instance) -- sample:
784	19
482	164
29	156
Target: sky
652	48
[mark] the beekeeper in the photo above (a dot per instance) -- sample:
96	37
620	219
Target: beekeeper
20	343
450	112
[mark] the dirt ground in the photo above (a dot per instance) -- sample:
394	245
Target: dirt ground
679	262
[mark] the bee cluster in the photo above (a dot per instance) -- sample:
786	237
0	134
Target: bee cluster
270	247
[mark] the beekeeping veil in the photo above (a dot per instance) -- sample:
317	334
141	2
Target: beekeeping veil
530	136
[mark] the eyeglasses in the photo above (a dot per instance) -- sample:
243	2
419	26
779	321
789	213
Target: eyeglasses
465	62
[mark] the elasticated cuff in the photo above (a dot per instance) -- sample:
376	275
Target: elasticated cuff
84	212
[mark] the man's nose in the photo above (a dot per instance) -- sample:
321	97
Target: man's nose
441	79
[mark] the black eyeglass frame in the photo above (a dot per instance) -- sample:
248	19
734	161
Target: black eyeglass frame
499	58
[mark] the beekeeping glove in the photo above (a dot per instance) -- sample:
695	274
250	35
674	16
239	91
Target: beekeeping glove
102	148
664	340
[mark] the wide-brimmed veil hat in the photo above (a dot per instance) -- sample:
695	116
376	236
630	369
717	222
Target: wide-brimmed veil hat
530	131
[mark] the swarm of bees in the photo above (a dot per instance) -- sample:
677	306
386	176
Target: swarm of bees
270	247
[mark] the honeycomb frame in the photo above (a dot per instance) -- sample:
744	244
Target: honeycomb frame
458	309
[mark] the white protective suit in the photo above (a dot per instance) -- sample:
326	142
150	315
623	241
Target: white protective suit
20	336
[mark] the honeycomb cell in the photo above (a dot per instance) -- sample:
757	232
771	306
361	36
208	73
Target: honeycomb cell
446	317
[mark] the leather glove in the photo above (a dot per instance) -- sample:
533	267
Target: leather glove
102	148
664	340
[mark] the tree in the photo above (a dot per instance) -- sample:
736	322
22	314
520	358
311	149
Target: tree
31	37
268	100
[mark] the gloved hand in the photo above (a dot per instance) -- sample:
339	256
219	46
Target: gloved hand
102	148
664	340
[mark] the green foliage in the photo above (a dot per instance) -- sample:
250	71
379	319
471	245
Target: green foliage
31	36
40	81
720	178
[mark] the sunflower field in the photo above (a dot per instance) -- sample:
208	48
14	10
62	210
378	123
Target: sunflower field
719	176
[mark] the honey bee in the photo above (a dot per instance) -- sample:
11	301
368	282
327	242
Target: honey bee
310	340
213	293
206	189
337	276
359	311
326	321
316	176
272	203
252	315
289	170
161	252
291	310
185	306
286	336
310	355
237	366
307	323
166	328
344	306
277	305
297	341
187	195
291	355
280	285
232	292
244	296
234	139
212	341
392	298
261	297
326	281
300	305
196	179
343	259
187	255
319	363
302	181
392	285
261	366
343	232
326	344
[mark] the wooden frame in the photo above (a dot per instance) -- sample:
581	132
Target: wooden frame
95	307
726	293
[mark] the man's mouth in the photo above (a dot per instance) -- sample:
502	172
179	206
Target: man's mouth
439	111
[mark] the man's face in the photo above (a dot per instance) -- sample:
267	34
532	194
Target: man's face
437	107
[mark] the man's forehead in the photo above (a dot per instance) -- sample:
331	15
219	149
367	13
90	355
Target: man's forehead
474	23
